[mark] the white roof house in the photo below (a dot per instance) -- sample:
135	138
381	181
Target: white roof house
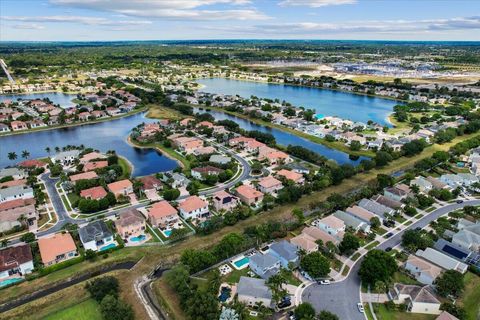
442	260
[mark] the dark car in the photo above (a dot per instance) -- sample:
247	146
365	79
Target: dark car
389	223
388	235
388	249
285	302
459	201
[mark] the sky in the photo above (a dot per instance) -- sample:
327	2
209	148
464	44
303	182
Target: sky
112	20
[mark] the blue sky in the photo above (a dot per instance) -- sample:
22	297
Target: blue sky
90	20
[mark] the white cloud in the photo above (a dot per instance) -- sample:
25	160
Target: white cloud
170	9
315	3
28	26
76	19
318	30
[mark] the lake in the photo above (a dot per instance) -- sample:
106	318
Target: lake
285	138
63	99
104	136
326	102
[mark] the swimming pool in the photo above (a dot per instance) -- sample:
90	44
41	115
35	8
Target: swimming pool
225	294
167	233
108	246
7	282
241	263
139	238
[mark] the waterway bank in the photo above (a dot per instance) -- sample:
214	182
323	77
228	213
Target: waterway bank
164	151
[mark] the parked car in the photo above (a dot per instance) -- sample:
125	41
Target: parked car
285	302
325	282
360	307
389	223
388	235
388	249
459	201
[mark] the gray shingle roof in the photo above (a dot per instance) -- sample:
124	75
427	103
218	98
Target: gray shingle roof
94	231
253	287
264	261
285	250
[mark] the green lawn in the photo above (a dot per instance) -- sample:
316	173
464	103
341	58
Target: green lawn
86	310
400	219
471	296
234	276
372	245
65	203
403	278
383	314
126	168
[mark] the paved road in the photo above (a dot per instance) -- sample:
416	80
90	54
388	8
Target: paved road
342	297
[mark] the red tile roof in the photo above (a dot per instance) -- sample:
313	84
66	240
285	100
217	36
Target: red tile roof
162	209
13	257
94	193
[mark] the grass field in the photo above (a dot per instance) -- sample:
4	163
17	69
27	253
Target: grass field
383	314
126	168
86	310
161	112
470	299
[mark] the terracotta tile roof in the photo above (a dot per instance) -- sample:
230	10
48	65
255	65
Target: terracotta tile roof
277	155
94	193
162	209
12	204
84	176
150	182
290	175
318	234
13	257
119	185
192	203
13	183
360	213
91	156
268	182
55	245
333	222
90	166
446	316
32	163
248	192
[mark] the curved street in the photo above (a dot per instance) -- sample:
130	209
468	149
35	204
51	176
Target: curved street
342	297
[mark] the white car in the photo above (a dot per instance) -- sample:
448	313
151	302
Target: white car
326	282
360	307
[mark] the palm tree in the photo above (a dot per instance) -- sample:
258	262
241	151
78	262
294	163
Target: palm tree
4	243
22	219
12	156
57	149
25	154
48	150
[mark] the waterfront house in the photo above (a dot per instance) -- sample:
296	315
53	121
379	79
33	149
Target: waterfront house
264	265
130	223
417	298
442	260
18	125
150	183
201	173
91	166
57	248
253	291
95	193
65	158
122	187
162	214
249	196
422	270
223	200
15	173
96	235
15	192
269	185
193	207
179	180
286	253
4	128
16	261
32	163
91	156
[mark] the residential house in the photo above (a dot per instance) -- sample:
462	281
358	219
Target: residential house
436	183
352	221
95	193
224	201
204	150
375	207
179	180
122	187
15	173
422	270
442	260
253	291
423	184
201	172
96	235
18	125
193	207
162	214
318	234
269	185
264	265
418	299
331	225
16	261
57	248
66	157
446	316
397	193
219	159
292	176
468	236
83	176
304	242
15	212
286	253
130	223
249	196
90	166
150	183
15	192
362	214
388	202
4	128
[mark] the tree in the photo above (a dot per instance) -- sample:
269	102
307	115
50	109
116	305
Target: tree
382	158
4	243
349	244
28	237
413	240
304	311
355	145
90	255
171	194
202	305
450	283
375	222
12	156
327	315
275	283
99	288
298	213
113	309
377	266
316	265
25	154
454	310
384	181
